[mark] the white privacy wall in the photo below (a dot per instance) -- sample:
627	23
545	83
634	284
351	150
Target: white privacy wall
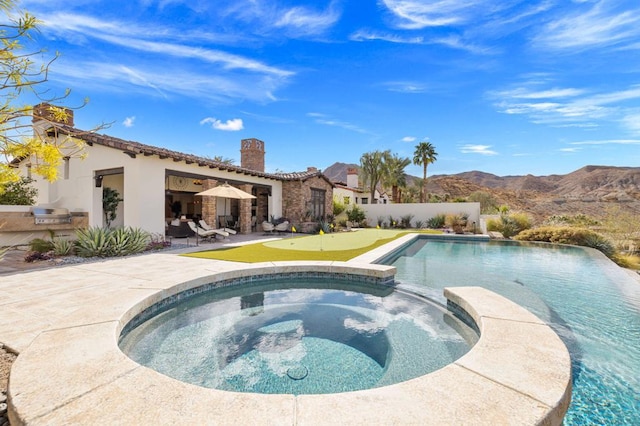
420	211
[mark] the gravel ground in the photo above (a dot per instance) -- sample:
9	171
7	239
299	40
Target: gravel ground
6	359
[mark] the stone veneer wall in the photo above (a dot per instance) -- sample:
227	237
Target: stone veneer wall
244	216
209	204
296	195
252	154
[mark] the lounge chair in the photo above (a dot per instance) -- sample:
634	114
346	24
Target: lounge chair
207	234
282	227
268	227
204	225
226	225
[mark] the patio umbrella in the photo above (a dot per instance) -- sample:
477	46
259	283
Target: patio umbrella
226	191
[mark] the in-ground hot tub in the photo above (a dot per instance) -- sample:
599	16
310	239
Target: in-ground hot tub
518	372
298	334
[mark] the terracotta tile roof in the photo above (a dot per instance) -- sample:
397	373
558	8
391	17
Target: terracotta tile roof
308	174
136	148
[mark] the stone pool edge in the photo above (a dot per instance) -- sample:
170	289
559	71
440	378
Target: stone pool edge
518	372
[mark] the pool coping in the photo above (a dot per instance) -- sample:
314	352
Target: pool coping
519	372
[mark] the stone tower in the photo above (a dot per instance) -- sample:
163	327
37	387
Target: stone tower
53	114
252	154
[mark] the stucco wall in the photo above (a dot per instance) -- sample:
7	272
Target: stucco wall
420	211
142	182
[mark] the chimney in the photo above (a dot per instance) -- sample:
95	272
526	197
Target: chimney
352	177
312	169
252	154
52	114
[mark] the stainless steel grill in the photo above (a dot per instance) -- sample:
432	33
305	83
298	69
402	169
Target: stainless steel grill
44	216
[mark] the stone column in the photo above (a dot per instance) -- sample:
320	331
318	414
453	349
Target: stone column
209	204
244	216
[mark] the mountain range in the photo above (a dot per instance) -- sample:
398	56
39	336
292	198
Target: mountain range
590	190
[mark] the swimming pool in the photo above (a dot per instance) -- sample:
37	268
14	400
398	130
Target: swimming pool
297	335
590	302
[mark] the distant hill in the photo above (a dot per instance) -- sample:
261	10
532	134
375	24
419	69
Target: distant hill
589	190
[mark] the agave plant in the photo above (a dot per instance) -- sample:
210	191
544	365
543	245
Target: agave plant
93	241
62	247
126	241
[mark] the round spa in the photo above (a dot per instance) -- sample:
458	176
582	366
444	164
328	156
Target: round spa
296	335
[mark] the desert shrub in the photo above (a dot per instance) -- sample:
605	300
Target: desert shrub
630	261
405	221
40	245
380	221
580	220
457	222
509	224
356	215
19	193
32	256
436	222
157	242
62	247
488	203
600	243
338	207
569	235
419	224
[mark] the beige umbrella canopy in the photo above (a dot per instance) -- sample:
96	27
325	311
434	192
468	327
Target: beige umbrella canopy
226	191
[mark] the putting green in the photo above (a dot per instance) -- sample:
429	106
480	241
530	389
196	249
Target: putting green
334	241
342	247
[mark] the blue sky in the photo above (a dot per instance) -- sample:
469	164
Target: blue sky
507	87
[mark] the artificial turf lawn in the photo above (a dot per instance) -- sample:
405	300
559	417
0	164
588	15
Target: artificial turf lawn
341	247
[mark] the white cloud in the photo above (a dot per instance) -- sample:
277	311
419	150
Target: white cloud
405	87
575	149
600	25
368	35
451	41
201	72
409	139
329	121
301	21
232	125
128	122
570	106
632	123
415	14
477	149
609	142
268	18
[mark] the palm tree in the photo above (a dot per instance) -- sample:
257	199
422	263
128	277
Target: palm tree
372	169
394	175
424	155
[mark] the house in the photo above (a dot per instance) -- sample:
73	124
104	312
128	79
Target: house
308	195
350	193
157	184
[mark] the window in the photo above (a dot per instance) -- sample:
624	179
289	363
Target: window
364	200
66	167
317	203
346	200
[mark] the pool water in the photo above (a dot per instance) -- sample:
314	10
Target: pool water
299	336
591	303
